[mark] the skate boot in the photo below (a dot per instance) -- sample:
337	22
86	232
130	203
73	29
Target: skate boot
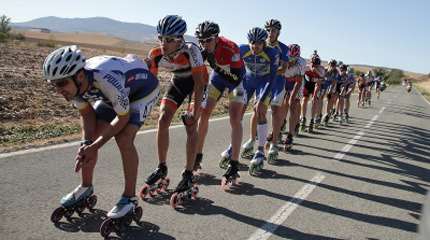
257	163
326	118
341	119
185	190
272	155
156	183
311	126
248	149
289	142
318	121
231	176
75	201
121	216
347	120
303	124
225	158
336	117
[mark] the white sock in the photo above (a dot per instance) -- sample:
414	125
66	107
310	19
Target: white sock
262	134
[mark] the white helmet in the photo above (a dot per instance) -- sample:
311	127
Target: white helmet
63	62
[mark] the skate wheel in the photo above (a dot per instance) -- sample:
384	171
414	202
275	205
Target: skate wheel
174	200
58	214
194	192
91	202
68	213
252	170
236	181
127	219
144	191
166	183
80	209
271	161
137	214
107	227
153	193
224	183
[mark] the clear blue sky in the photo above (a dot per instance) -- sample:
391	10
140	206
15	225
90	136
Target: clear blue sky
379	32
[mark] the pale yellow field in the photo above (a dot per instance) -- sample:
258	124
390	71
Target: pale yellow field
88	38
94	40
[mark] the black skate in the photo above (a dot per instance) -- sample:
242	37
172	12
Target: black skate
156	183
186	189
231	176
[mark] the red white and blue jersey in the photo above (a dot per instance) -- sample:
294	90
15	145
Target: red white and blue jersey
116	81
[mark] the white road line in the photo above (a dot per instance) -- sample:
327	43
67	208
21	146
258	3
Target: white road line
282	214
266	231
76	143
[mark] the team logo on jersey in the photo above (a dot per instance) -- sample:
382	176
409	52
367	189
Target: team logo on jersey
110	79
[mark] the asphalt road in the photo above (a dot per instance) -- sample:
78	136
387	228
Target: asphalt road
364	180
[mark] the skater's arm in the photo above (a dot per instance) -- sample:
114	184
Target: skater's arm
117	124
297	85
88	123
200	77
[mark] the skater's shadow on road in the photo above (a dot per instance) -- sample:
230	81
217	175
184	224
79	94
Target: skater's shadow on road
207	180
87	222
204	206
162	198
144	230
91	222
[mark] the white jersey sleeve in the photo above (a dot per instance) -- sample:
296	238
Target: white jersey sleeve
196	58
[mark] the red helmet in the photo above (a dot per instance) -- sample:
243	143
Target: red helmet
294	50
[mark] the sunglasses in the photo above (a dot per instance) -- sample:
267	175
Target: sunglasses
292	59
167	39
257	42
60	83
205	40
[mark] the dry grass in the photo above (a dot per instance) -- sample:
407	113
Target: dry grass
423	85
86	38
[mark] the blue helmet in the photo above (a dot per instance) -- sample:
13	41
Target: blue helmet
171	25
257	35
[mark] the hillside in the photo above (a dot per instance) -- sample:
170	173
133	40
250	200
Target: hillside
137	32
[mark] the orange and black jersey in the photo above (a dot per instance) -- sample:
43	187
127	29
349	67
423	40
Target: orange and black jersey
187	60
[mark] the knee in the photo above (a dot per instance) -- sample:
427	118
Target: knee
235	119
191	131
163	120
205	114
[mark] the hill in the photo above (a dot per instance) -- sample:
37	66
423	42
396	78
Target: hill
137	32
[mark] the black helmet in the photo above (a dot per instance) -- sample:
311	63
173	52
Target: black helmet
332	62
343	67
273	23
316	59
206	29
